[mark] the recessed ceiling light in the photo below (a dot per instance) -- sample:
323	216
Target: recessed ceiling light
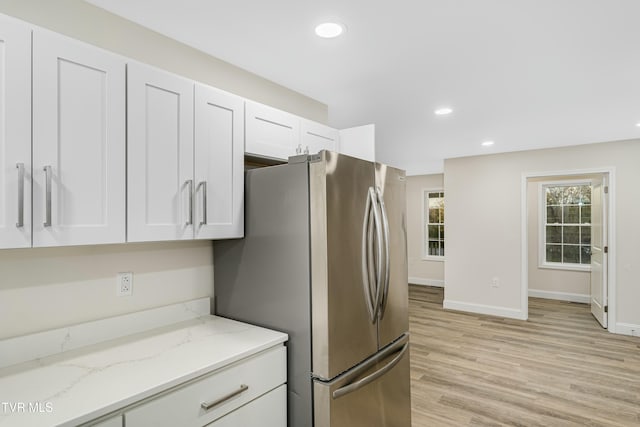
443	111
329	30
487	143
638	124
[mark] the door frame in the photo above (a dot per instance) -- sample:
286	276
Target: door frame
611	219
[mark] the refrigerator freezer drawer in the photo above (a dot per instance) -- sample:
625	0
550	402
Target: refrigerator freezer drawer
375	393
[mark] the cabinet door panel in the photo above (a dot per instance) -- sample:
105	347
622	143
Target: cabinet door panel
160	155
15	134
316	137
271	132
79	134
268	410
219	154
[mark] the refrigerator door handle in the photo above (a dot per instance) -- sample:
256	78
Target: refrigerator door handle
366	256
353	386
385	232
379	253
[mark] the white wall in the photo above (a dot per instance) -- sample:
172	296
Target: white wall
421	271
48	288
571	285
483	224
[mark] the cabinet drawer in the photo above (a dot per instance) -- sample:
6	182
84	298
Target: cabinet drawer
184	406
268	410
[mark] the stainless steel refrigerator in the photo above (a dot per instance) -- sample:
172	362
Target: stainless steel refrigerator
324	259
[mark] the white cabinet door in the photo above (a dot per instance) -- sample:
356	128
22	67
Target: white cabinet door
270	132
78	143
160	155
359	142
268	410
111	422
219	159
15	134
316	137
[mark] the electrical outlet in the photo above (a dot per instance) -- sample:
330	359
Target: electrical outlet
124	284
495	282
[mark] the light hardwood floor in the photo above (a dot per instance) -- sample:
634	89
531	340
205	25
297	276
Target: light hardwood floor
559	368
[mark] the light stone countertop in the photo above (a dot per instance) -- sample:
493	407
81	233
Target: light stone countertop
77	386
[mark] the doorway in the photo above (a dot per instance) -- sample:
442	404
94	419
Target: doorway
568	239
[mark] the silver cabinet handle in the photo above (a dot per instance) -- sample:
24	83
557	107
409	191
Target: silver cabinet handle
47	197
306	150
385	232
393	348
203	185
189	183
299	149
212	403
20	222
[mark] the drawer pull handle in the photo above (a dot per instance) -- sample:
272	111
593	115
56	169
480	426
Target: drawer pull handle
208	405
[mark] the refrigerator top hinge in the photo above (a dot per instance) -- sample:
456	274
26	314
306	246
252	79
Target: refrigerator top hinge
303	158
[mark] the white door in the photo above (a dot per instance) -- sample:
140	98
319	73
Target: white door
316	137
270	132
160	155
15	134
219	160
599	223
78	143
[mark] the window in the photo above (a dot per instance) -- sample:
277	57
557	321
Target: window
566	225
433	216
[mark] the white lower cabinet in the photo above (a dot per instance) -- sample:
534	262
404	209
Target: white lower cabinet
243	385
269	410
111	422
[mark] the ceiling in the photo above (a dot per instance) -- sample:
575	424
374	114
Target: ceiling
523	73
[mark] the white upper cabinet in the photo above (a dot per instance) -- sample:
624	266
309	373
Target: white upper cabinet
219	159
78	143
271	132
15	134
317	137
359	142
160	155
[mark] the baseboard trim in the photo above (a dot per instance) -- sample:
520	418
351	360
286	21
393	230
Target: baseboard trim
560	296
628	329
485	309
426	282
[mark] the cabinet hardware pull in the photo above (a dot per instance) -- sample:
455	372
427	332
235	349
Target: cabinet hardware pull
209	405
189	183
47	197
203	221
20	222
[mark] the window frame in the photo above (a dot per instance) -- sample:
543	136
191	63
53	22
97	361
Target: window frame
542	222
425	222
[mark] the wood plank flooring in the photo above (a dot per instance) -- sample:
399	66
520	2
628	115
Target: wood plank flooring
559	368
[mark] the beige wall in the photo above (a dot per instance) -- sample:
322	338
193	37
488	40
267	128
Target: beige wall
484	224
421	271
545	279
47	288
96	26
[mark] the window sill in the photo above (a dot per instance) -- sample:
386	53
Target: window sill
433	258
567	267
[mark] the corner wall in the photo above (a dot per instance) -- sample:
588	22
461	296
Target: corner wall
422	271
483	226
